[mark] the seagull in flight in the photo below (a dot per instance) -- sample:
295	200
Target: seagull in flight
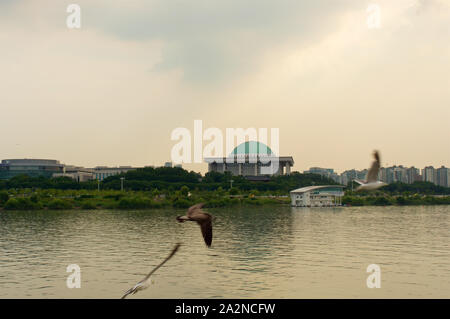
145	283
372	181
196	214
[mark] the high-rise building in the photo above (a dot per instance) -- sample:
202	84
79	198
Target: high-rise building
429	174
348	176
413	175
395	174
442	176
387	175
362	175
400	174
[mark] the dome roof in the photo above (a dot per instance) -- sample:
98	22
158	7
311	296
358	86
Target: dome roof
251	148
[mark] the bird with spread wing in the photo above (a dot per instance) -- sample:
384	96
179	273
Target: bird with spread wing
372	182
196	214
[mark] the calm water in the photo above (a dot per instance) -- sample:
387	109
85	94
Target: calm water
256	253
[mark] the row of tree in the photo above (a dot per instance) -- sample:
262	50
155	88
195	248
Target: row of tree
168	178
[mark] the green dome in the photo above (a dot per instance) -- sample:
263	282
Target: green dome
251	148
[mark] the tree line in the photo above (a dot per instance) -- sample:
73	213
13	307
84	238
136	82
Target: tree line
174	178
170	178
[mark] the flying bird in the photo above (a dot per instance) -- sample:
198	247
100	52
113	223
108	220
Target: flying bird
145	283
372	181
196	214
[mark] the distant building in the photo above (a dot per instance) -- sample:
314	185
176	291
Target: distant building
168	164
387	175
392	174
319	171
102	172
400	174
326	172
362	175
348	176
80	174
413	175
31	167
251	159
429	174
317	196
443	176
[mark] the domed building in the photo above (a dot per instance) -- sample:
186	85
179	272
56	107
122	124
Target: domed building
251	159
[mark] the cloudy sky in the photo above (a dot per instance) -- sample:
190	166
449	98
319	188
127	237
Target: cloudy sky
111	92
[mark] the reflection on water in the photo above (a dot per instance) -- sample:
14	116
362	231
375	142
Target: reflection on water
263	252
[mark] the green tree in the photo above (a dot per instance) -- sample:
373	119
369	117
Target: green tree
3	197
400	200
21	204
59	204
184	191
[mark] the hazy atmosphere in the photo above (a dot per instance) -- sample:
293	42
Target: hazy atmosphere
111	92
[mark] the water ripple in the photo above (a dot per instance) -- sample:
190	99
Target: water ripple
256	253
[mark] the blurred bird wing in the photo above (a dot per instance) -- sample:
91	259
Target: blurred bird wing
193	209
372	175
139	286
206	227
144	283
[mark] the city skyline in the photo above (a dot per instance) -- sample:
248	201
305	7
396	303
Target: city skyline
203	167
295	167
389	174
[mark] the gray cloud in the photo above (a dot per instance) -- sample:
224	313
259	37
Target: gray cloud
213	41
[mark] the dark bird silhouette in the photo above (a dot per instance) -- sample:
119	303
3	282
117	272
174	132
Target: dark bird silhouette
196	214
145	283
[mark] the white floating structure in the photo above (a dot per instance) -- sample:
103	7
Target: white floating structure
317	196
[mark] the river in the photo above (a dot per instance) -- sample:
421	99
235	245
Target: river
257	252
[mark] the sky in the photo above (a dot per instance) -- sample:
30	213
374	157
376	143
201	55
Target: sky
112	92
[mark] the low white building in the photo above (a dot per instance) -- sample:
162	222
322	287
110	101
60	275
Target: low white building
102	172
317	196
80	174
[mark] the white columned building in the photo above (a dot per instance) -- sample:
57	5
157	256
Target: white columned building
251	159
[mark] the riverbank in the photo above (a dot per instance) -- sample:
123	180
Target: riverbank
397	200
82	199
91	200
